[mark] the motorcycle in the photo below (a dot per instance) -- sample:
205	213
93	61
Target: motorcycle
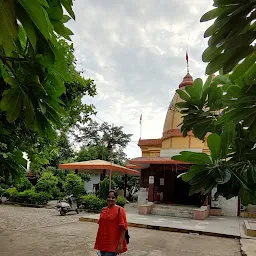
68	205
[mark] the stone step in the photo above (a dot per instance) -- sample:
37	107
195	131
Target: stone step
174	211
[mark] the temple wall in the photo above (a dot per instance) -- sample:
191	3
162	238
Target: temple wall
166	143
196	143
180	142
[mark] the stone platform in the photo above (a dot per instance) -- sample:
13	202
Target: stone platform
212	226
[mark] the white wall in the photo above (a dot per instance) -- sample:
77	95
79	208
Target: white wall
88	186
229	207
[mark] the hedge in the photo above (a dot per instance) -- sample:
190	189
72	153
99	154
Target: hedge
94	203
27	196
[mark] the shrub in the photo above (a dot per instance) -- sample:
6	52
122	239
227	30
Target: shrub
24	184
10	193
92	202
104	188
28	196
48	184
74	185
121	201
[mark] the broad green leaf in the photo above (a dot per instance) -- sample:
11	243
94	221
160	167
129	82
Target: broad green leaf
227	138
22	37
233	61
243	67
193	157
27	25
216	26
212	14
68	6
39	17
65	19
55	12
191	173
43	3
214	143
62	30
251	75
12	103
183	95
8	25
211	53
29	112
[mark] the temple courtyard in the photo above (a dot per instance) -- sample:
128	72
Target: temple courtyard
33	231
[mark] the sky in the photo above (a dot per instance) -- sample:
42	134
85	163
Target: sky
135	51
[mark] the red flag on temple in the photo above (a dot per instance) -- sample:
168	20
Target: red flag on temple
187	56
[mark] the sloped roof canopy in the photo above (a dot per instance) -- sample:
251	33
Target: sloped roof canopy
97	166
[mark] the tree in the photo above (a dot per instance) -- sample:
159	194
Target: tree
48	183
99	140
133	184
32	71
227	111
73	185
95	134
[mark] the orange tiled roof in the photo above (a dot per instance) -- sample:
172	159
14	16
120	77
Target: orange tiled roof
150	142
155	160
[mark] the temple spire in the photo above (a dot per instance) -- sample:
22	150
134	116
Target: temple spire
187	61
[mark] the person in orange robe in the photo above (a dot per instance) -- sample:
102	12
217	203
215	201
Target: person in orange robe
110	239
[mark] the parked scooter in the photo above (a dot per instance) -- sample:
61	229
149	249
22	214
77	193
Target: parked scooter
68	205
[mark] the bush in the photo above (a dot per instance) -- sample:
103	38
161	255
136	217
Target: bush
121	201
24	184
104	188
74	185
48	184
10	193
28	196
92	202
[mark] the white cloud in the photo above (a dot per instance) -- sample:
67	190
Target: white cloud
135	52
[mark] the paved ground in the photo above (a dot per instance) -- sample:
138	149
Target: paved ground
42	232
229	226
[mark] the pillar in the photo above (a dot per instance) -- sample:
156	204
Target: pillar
125	184
151	189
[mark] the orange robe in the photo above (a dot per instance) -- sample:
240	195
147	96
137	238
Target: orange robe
109	230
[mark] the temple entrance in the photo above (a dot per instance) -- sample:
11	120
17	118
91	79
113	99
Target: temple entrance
176	191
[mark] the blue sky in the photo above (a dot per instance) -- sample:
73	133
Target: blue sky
135	52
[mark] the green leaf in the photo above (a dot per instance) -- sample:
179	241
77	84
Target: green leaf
65	19
39	17
62	30
212	14
193	157
55	12
183	95
214	142
68	6
243	67
22	37
43	3
27	25
8	25
12	103
191	173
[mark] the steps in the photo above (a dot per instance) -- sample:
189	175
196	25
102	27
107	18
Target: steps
174	210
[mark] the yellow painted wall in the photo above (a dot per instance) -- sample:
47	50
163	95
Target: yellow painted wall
196	143
166	143
180	142
177	120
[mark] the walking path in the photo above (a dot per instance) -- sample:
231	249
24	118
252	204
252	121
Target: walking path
215	226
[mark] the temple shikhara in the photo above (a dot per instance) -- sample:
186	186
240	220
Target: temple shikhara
161	191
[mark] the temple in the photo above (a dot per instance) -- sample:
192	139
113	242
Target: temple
159	184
